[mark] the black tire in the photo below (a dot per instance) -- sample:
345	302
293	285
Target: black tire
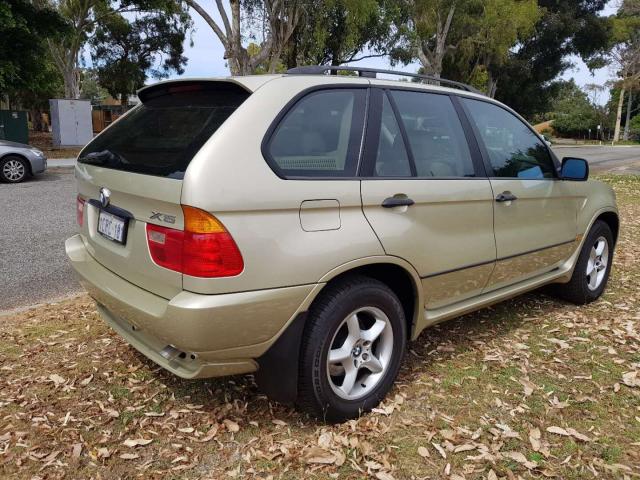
577	290
316	394
8	176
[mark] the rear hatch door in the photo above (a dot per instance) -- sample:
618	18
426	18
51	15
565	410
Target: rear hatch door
131	175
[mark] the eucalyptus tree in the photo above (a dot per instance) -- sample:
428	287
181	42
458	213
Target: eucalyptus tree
280	18
625	59
127	51
335	32
467	39
565	28
84	16
24	29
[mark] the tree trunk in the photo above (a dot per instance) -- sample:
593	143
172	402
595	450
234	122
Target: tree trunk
625	135
616	133
36	120
71	79
492	86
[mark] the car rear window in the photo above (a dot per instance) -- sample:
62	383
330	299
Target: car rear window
162	135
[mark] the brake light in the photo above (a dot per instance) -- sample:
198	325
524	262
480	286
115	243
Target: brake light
203	249
80	210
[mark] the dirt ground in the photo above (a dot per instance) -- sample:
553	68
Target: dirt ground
43	141
531	388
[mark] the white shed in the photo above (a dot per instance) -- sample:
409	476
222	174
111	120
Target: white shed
70	122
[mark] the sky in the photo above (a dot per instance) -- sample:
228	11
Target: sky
206	55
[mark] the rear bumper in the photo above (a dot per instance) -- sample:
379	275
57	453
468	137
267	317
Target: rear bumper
219	334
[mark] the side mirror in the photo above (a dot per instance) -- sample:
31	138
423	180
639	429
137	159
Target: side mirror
576	169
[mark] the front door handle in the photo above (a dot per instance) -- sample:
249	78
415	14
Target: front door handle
506	197
392	202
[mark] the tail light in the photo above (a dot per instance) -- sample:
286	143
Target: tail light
80	210
203	249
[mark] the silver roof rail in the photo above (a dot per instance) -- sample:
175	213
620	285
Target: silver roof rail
373	72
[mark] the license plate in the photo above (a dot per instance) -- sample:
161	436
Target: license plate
112	227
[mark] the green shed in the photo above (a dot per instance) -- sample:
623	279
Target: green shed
14	126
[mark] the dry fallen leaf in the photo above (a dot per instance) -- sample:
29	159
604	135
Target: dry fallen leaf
77	450
231	425
520	458
423	452
529	386
137	442
319	455
568	432
57	379
384	476
129	456
104	453
631	379
534	439
440	450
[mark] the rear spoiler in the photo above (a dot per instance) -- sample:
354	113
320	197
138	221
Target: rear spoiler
184	86
248	84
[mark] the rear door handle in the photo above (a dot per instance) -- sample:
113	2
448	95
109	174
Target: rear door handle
397	202
506	197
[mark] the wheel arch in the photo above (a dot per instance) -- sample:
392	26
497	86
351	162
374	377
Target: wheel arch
26	161
281	359
398	274
610	218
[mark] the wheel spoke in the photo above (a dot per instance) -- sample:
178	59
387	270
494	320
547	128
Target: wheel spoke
353	325
593	280
340	355
373	364
350	375
371	334
599	248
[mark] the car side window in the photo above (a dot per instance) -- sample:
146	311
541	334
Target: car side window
321	135
392	159
435	135
514	150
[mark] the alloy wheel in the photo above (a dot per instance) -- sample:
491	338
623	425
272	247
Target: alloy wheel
13	170
360	353
597	263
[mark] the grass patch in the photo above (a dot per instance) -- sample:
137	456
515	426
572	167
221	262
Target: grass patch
529	388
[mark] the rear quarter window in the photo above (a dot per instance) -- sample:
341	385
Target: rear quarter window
162	135
320	135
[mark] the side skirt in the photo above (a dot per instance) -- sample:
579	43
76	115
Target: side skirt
438	315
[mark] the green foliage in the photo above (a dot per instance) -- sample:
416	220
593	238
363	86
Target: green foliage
566	27
127	51
336	31
634	127
573	113
91	88
24	29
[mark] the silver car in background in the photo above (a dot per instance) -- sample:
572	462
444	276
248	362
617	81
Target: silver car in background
17	161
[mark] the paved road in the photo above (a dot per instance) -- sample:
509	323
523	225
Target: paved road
35	218
601	159
38	215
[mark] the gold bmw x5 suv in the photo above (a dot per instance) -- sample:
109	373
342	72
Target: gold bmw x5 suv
307	226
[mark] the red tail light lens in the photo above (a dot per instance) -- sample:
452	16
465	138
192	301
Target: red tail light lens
203	249
165	246
80	210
